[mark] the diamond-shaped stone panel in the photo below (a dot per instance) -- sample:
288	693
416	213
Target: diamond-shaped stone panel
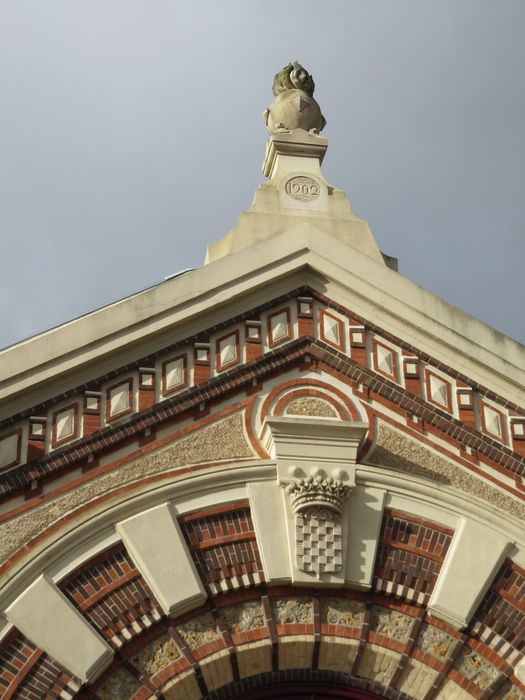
331	329
384	359
228	350
492	420
65	424
119	399
174	374
439	390
279	326
9	447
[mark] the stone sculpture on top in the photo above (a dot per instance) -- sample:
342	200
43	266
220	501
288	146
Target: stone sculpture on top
294	106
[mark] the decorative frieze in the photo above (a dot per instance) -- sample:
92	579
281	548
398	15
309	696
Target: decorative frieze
157	655
244	617
343	611
245	339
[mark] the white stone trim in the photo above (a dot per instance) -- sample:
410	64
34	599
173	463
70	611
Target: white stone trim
425	498
437	498
268	514
156	544
84	551
310	448
472	561
5	627
229	494
305	443
365	513
41	610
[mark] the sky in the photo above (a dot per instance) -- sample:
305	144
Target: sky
131	136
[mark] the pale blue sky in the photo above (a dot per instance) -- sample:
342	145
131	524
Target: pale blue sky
131	136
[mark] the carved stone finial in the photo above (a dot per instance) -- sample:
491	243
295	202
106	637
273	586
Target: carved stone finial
293	76
294	106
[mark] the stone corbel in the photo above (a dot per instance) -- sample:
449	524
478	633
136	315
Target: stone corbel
316	461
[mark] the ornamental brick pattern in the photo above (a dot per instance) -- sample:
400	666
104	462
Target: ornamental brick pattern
365	641
500	618
409	557
224	547
47	679
113	596
28	673
504	449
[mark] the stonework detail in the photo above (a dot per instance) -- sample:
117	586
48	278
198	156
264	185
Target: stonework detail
244	617
119	686
156	655
199	631
221	440
396	450
344	612
308	406
378	663
318	504
476	668
302	188
434	641
391	623
294	106
298	611
319	542
416	679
